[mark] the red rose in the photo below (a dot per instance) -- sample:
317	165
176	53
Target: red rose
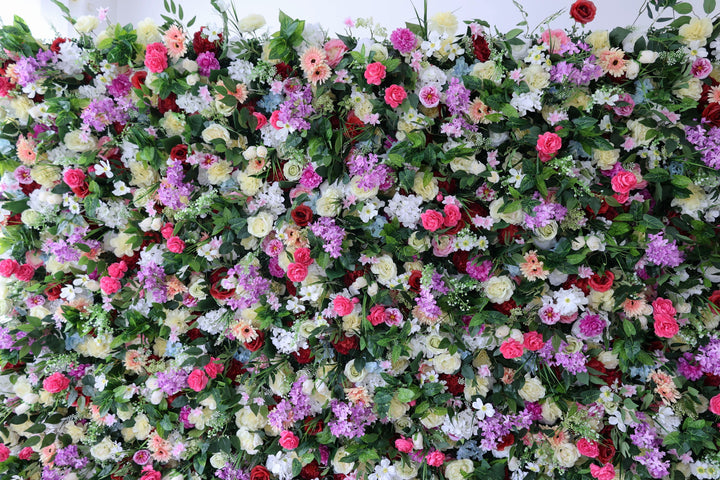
310	471
261	120
346	344
508	234
606	451
259	472
303	356
712	114
589	448
82	191
602	283
414	281
219	293
504	307
202	44
395	95
235	369
452	382
297	272
715	302
284	70
52	292
138	79
460	260
256	344
312	425
302	255
533	341
583	11
57	382
74	177
302	215
214	369
506	441
25	453
481	48
168	104
8	267
353	125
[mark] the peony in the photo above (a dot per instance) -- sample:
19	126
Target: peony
446	363
109	285
696	30
623	182
499	289
606	472
444	23
511	348
589	448
57	382
395	95
86	23
598	40
156	57
4	452
251	22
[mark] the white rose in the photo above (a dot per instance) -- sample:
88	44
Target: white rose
446	363
219	460
595	243
632	70
567	454
513	218
87	23
251	23
338	465
381	52
432	420
214	132
459	469
219	172
261	224
533	390
74	141
142	427
353	374
293	170
330	203
249	441
648	56
143	175
486	71
427	191
385	269
499	289
606	159
147	32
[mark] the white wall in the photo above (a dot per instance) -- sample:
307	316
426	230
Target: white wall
330	13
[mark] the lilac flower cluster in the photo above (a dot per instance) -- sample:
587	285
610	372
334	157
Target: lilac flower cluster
564	71
333	235
62	250
172	381
570	360
427	304
494	428
102	112
297	108
403	40
70	457
293	409
545	213
646	438
152	277
173	192
689	368
706	141
250	281
479	271
25	69
228	472
708	357
663	253
350	420
207	63
310	178
457	97
372	173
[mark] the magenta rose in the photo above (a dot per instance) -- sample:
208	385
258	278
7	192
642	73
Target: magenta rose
8	267
297	272
302	255
375	73
548	145
395	95
74	177
4	452
109	285
404	445
589	448
452	215
377	315
197	380
57	382
663	305
435	458
25	272
175	244
289	440
606	472
511	348
715	404
625	110
432	220
156	57
623	182
117	269
665	325
533	341
343	305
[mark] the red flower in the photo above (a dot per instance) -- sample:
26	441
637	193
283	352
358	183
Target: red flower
201	44
81	191
583	11
715	302
346	344
138	79
712	114
302	215
452	382
414	281
313	425
168	104
52	292
481	48
256	344
259	472
310	471
602	283
303	356
55	47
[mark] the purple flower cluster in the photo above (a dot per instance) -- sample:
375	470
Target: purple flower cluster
350	420
427	304
646	438
70	457
572	361
545	213
293	409
297	108
62	251
173	192
663	253
403	40
479	271
333	235
120	86
494	428
102	112
172	381
25	69
152	276
708	357
250	281
706	141
207	63
372	173
568	72
310	178
457	97
689	368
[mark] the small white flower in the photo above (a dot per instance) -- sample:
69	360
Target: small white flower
103	168
516	177
483	409
120	189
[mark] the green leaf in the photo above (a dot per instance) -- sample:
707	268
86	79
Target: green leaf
683	8
709	6
653	222
405	395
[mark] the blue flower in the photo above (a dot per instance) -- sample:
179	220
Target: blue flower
377	226
72	341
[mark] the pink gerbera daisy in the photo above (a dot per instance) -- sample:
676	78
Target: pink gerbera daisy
174	40
319	74
311	58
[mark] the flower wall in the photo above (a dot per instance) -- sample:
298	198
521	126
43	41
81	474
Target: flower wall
437	251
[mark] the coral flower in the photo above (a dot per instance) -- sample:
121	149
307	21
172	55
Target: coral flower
319	74
613	62
478	111
311	58
174	40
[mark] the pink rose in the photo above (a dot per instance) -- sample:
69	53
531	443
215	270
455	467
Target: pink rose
25	272
625	110
26	453
167	230
374	73
109	285
394	95
275	120
606	472
377	315
452	215
261	120
404	445
156	57
623	182
197	380
117	269
335	49
435	458
175	245
663	305
8	267
429	96
715	404
289	440
432	220
665	325
343	306
589	448
548	145
297	272
214	369
302	255
57	382
4	452
511	348
533	341
74	177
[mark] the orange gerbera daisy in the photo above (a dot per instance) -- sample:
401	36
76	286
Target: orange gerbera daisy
665	387
478	111
244	332
635	308
713	95
319	74
26	150
311	58
533	267
612	61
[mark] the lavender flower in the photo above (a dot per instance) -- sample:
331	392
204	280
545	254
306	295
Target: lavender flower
333	235
663	253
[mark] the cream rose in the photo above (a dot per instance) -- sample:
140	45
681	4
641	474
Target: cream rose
173	123
533	390
353	374
143	175
214	132
486	71
105	450
147	32
249	441
459	469
432	419
380	52
639	132
499	289
339	466
219	172
397	408
609	359
245	418
141	429
330	203
385	269
293	170
78	142
261	224
693	90
513	218
86	23
606	159
598	40
536	77
567	454
446	363
46	175
428	191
